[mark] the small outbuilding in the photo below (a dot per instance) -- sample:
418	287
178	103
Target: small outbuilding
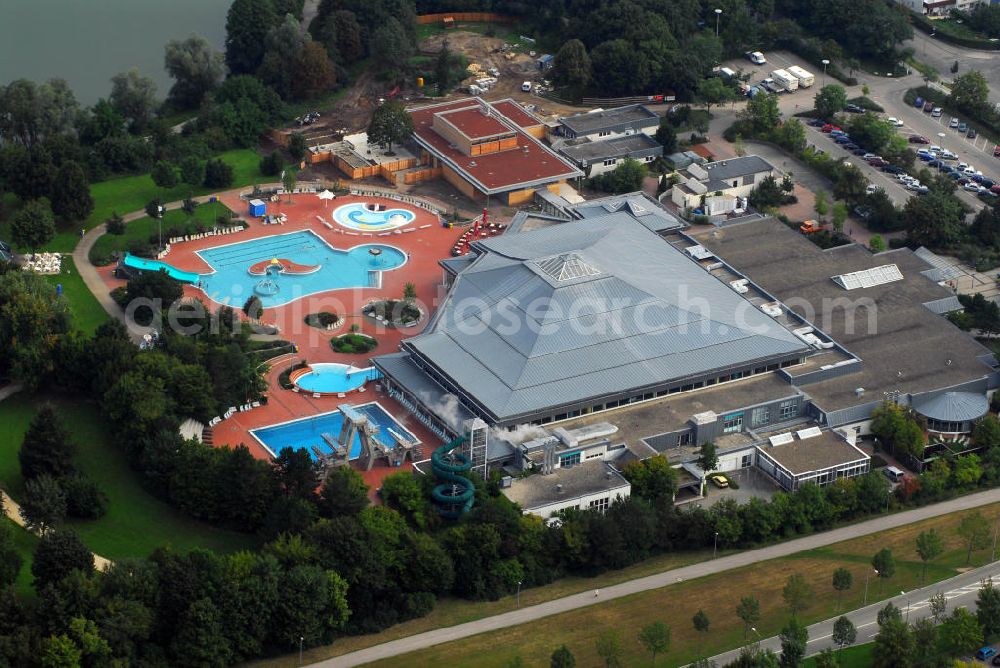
257	208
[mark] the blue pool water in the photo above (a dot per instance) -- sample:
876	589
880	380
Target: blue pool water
308	432
357	217
230	281
332	377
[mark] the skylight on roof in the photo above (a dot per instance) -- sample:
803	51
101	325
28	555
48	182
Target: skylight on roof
868	278
566	267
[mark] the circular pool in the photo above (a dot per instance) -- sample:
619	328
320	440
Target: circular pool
331	378
371	217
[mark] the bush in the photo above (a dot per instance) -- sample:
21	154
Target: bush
271	165
353	343
84	500
321	320
115	224
283	377
394	310
218	174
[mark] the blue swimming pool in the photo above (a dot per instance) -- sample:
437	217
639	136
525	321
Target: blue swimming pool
231	282
308	432
360	216
330	377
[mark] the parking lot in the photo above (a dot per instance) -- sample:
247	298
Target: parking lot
752	483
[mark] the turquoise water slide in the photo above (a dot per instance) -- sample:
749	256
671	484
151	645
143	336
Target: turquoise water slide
456	494
143	264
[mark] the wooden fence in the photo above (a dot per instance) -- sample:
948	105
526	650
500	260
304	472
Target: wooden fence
466	17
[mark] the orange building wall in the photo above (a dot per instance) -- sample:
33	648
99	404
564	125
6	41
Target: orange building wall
520	196
466	17
456	180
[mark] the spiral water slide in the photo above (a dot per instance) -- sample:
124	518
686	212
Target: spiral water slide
456	493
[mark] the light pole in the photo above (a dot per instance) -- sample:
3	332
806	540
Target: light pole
942	136
757	633
903	593
715	545
301	640
718	13
888	496
996	528
825	63
519	593
868	577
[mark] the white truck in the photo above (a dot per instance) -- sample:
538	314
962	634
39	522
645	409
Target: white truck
785	81
805	77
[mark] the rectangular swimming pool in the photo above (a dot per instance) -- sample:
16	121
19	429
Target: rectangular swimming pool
308	432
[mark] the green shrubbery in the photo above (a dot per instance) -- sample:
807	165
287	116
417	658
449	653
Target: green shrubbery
353	343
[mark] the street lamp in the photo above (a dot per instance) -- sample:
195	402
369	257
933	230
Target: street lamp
715	545
868	577
903	593
825	63
519	593
996	528
301	640
718	13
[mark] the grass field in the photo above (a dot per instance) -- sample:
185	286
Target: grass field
718	595
136	522
131	193
859	656
143	228
88	314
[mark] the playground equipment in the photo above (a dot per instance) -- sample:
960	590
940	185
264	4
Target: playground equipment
456	494
392	446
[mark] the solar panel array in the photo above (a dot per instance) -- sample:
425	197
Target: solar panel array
868	278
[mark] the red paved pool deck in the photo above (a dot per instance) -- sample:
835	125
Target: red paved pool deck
424	248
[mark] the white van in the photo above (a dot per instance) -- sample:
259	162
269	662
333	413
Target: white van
892	473
756	57
526	86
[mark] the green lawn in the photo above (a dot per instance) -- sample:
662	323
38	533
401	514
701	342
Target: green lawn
88	314
956	29
24	542
131	193
859	656
144	228
136	522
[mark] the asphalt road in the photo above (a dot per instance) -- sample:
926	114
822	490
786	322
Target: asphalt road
960	591
711	567
941	56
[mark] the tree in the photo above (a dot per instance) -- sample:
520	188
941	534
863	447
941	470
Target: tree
218	174
960	633
713	90
707	459
344	493
701	622
885	564
762	112
822	207
929	547
667	136
409	293
988	609
390	124
562	658
47	447
571	67
767	194
655	637
59	553
975	531
71	200
827	659
844	633
247	24
44	503
970	92
10	558
986	433
443	69
192	170
297	146
200	638
893	644
33	225
653	479
391	48
842	581
934	219
839	215
60	652
134	97
749	612
876	244
938	605
164	174
609	648
830	100
288	181
797	593
794	638
196	67
313	73
282	46
626	177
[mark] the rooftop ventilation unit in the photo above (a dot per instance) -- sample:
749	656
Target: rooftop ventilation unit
781	439
811	432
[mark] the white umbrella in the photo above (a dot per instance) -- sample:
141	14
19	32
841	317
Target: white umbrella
326	194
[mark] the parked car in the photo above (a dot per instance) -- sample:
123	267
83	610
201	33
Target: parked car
962	127
854	109
843	139
926	157
892	169
829	127
971	134
995	189
935	163
862	212
870	189
852	147
955	176
719	481
756	57
869	156
953	123
937	112
928	106
985	653
988	183
996	151
919	139
947	169
816	122
948	155
877	162
858	151
895	121
919	102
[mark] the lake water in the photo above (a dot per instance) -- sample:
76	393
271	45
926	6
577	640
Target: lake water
86	42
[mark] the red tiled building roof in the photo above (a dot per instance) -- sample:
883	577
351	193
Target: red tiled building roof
516	113
474	124
530	164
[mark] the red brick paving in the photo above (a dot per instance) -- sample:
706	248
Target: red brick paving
424	247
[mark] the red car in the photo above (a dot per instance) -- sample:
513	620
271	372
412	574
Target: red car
995	190
996	152
877	162
828	128
917	139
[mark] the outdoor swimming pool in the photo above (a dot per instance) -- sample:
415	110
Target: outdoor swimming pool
358	216
308	432
231	281
330	378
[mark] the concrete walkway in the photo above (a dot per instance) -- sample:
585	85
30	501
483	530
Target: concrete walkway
711	567
10	507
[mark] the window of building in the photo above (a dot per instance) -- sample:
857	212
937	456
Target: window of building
595	455
732	423
572	459
746	461
603	133
748	180
610	161
600	505
789	409
761	416
736	183
685	439
649	158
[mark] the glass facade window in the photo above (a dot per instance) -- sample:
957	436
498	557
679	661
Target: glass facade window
732	423
761	416
789	409
572	459
600	505
942	425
